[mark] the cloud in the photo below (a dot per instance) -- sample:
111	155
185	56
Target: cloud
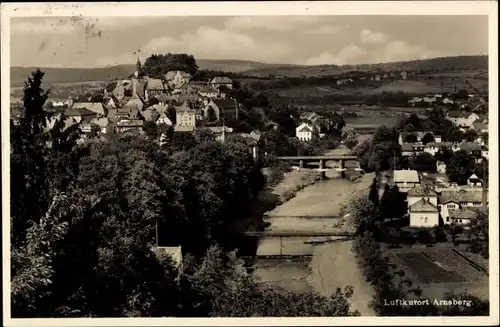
347	55
401	50
211	43
369	37
269	23
322	30
390	52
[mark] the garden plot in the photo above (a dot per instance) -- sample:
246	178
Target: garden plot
438	271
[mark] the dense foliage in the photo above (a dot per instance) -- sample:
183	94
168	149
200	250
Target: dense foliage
158	64
86	219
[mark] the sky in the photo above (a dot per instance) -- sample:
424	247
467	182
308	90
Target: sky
304	40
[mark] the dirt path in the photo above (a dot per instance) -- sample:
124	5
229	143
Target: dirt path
334	265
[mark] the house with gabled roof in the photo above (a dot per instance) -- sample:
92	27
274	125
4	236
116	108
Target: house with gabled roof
96	107
185	116
420	192
154	87
150	114
305	132
219	81
462	216
229	108
458	199
406	179
80	114
208	92
423	213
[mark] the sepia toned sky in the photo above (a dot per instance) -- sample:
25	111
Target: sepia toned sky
311	40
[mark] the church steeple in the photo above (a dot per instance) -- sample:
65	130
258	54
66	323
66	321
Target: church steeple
138	66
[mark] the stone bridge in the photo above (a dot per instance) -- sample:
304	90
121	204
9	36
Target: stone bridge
341	159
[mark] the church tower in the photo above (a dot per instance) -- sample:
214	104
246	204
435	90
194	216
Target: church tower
138	66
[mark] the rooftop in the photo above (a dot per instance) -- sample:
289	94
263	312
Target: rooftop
221	80
408	176
462	195
422	191
465	213
423	206
91	106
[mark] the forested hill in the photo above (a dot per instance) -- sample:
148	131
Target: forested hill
437	64
75	75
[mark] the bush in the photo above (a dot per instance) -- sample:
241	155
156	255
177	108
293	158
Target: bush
275	176
287	195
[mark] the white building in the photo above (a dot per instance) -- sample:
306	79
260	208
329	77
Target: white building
423	213
462	216
459	199
305	132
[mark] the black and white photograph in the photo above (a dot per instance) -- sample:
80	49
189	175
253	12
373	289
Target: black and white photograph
224	160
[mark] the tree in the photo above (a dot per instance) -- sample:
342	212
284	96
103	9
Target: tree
455	230
374	193
424	162
350	137
479	230
211	117
386	202
151	129
428	138
410	128
470	135
172	114
460	167
444	154
158	64
383	134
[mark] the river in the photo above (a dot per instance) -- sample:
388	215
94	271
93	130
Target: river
331	265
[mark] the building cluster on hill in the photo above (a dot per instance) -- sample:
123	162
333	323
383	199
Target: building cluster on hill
174	100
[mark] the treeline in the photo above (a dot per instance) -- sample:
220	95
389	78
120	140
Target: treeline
85	219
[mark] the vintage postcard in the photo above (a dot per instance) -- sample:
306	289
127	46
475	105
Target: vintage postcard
250	163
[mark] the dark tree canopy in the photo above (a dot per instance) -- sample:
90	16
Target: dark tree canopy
158	64
460	167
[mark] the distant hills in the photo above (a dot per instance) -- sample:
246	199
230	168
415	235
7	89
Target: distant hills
251	68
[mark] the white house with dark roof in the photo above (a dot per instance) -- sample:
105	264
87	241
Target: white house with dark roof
458	199
305	132
422	192
474	181
219	81
462	216
423	213
406	179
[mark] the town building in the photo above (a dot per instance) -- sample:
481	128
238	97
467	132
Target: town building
459	198
185	117
462	217
406	179
423	213
219	81
95	107
305	132
154	87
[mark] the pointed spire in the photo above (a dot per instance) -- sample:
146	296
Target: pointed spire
138	71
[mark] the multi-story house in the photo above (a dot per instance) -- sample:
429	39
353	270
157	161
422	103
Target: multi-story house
456	199
306	132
